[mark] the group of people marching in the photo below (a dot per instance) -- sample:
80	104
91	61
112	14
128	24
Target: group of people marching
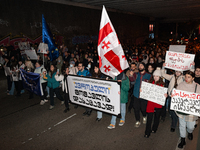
146	64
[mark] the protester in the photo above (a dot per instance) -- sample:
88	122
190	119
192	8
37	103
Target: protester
187	121
86	73
140	104
72	69
153	109
7	73
40	69
125	84
53	86
175	80
63	79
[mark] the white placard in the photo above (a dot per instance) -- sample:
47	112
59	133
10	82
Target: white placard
177	48
178	61
185	102
24	45
102	95
42	48
31	54
153	93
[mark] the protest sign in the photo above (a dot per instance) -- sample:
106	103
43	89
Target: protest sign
185	102
102	95
153	93
177	48
42	48
31	82
31	54
24	45
178	61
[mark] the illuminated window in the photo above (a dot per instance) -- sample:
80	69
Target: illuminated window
151	27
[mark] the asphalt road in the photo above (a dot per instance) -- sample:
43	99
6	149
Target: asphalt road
25	125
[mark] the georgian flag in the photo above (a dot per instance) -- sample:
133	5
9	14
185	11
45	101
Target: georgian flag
112	60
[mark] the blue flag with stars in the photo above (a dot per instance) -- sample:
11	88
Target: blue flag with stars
47	38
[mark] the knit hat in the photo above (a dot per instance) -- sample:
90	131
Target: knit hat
72	62
157	73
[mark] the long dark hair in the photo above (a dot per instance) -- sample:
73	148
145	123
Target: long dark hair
94	75
159	82
52	72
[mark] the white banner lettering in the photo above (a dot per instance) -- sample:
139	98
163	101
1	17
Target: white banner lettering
102	95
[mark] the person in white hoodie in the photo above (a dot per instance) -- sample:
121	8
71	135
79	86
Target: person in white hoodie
40	69
63	79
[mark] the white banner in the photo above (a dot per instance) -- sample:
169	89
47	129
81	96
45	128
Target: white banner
153	93
185	102
178	61
177	48
31	54
102	95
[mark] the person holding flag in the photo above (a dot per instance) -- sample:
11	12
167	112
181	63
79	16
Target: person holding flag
112	60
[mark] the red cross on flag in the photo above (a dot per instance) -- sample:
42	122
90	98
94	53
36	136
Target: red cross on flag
112	60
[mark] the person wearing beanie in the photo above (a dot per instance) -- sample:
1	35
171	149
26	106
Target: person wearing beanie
153	109
139	104
72	69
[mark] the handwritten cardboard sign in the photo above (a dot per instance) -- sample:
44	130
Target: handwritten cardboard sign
185	102
154	93
178	61
102	95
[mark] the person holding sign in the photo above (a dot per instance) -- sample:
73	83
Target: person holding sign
174	81
187	121
154	109
124	80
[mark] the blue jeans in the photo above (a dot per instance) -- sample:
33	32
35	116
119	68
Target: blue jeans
183	125
12	90
123	113
99	114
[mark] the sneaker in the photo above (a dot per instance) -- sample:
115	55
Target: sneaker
45	100
121	123
111	126
51	107
62	102
42	102
144	120
54	95
48	96
137	124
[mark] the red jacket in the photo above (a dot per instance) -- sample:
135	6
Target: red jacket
151	105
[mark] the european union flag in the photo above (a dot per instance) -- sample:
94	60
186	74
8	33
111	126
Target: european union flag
47	38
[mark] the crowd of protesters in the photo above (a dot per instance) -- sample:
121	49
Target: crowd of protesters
147	63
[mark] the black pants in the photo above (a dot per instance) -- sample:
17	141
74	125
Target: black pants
139	104
57	91
44	96
150	116
17	87
9	83
131	103
66	97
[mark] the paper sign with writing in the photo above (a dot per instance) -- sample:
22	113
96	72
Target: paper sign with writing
31	54
153	93
177	48
102	95
42	48
178	61
185	102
